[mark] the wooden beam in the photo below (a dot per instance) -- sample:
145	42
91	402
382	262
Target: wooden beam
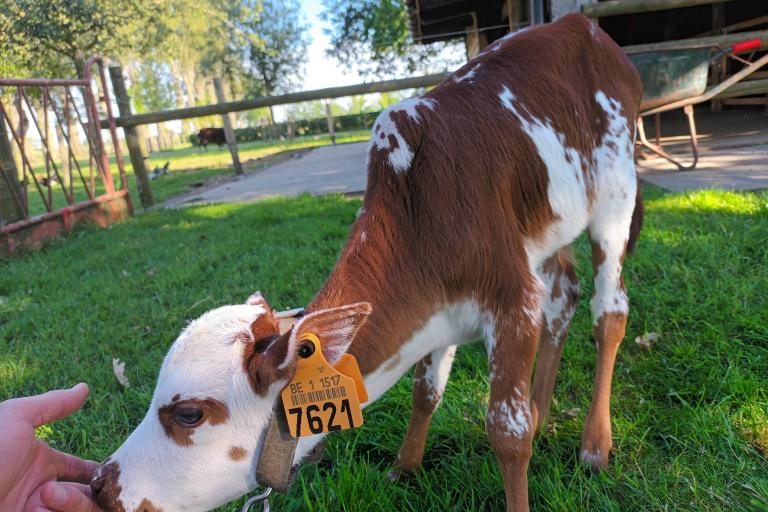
331	124
616	7
229	133
283	99
724	41
746	88
760	20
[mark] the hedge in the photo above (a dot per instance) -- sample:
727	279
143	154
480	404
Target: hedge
302	127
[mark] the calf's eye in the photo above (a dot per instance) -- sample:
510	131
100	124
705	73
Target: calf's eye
188	416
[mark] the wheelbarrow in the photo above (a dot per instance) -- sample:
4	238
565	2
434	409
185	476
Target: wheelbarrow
677	78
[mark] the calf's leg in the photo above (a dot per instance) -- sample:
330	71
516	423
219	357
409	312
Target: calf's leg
561	294
429	380
610	308
509	423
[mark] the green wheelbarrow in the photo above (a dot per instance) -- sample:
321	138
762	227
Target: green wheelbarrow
677	78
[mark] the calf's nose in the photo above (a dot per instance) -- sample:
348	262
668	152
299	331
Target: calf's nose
104	486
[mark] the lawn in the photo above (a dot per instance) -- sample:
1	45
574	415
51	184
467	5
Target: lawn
690	415
189	167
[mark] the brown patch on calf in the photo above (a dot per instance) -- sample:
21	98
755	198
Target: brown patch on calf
598	255
237	453
105	488
266	351
214	413
148	506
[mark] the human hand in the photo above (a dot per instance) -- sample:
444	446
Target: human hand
61	497
28	462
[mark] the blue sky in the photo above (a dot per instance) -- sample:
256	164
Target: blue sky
322	71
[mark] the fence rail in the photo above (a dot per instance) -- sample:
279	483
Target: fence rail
282	99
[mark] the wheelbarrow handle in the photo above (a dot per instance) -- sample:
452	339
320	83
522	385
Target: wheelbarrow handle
745	45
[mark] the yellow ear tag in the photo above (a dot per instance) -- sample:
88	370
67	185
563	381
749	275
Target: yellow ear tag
320	398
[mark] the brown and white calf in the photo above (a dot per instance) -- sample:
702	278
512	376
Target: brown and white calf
475	192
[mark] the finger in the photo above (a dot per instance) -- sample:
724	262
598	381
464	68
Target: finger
68	497
53	405
71	468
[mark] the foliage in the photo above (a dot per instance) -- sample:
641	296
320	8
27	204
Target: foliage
276	60
41	36
689	416
316	126
374	38
153	90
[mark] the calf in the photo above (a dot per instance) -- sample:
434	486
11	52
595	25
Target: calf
211	136
475	192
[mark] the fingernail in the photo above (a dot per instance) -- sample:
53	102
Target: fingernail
60	494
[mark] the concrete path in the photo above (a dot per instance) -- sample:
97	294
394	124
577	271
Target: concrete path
733	149
325	170
730	169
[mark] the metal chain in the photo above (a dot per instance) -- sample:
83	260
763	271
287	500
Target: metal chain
264	496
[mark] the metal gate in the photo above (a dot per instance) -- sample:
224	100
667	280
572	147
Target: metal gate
49	186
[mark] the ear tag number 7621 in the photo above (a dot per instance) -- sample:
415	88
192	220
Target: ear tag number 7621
320	398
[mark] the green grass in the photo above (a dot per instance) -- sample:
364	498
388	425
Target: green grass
690	416
189	165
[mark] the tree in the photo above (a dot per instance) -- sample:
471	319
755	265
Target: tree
373	37
37	32
276	61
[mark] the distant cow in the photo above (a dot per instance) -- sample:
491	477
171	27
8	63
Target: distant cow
211	136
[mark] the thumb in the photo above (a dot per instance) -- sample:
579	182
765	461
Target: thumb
66	497
53	405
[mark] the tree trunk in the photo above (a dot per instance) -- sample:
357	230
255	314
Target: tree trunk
164	137
186	124
10	188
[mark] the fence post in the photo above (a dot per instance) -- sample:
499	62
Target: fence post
11	192
131	137
229	133
329	116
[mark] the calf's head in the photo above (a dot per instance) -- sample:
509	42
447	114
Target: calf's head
198	445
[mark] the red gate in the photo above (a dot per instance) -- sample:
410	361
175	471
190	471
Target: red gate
46	197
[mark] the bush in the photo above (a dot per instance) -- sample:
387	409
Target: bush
317	126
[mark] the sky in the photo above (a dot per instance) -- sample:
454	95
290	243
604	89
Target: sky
322	71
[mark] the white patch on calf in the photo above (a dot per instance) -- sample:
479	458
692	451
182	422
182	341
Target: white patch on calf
456	324
616	187
591	457
567	191
512	416
438	371
385	128
468	75
499	42
557	308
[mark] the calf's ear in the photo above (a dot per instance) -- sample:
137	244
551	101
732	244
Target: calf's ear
257	299
334	327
